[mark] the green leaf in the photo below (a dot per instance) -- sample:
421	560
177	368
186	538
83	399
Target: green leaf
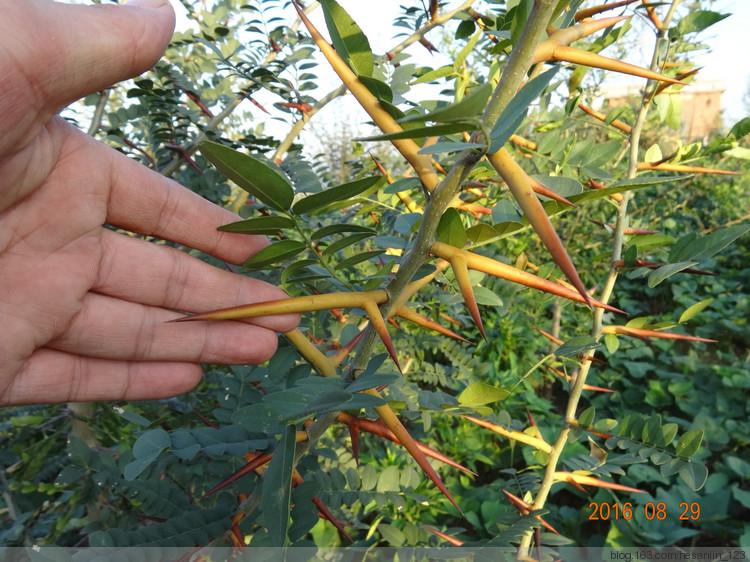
458	62
666	271
521	14
254	176
739	152
274	253
480	232
486	297
696	21
704	247
586	418
320	200
612	342
199	526
146	450
689	443
422	132
515	112
372	380
576	346
388	479
694	309
436	74
668	433
259	225
338	229
345	242
153	441
402	184
465	29
277	487
451	230
694	474
392	534
156	498
359	258
378	88
445	147
348	39
480	394
327	402
652	430
470	106
623	186
740	128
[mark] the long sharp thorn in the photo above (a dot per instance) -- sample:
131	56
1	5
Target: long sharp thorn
450	319
257	462
616	123
578	487
413	316
679	76
652	15
391	421
446	537
378	324
567	35
292	305
540	189
382	431
683	169
326	514
341	354
593	10
522	142
513	274
550	337
524	438
656	334
584	480
525	509
520	186
586	58
594	388
354	435
407	147
461	273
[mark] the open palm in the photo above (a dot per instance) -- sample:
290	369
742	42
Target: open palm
83	308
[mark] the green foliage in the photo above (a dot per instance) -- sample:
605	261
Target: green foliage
676	424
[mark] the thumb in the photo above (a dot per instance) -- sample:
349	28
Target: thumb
65	51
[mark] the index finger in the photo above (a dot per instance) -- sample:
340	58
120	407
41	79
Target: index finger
144	201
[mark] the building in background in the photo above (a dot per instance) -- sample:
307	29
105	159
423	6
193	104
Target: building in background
701	107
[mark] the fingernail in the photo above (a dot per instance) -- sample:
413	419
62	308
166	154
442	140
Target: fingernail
147	3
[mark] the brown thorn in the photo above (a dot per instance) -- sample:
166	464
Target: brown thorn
446	537
461	273
394	424
378	324
586	58
256	462
594	10
413	316
326	514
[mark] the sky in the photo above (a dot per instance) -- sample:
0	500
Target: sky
725	65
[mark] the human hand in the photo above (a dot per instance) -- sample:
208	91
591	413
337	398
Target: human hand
83	309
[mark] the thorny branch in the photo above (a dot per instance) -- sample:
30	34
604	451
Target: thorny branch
609	285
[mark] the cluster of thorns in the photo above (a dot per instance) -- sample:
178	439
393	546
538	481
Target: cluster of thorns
524	190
